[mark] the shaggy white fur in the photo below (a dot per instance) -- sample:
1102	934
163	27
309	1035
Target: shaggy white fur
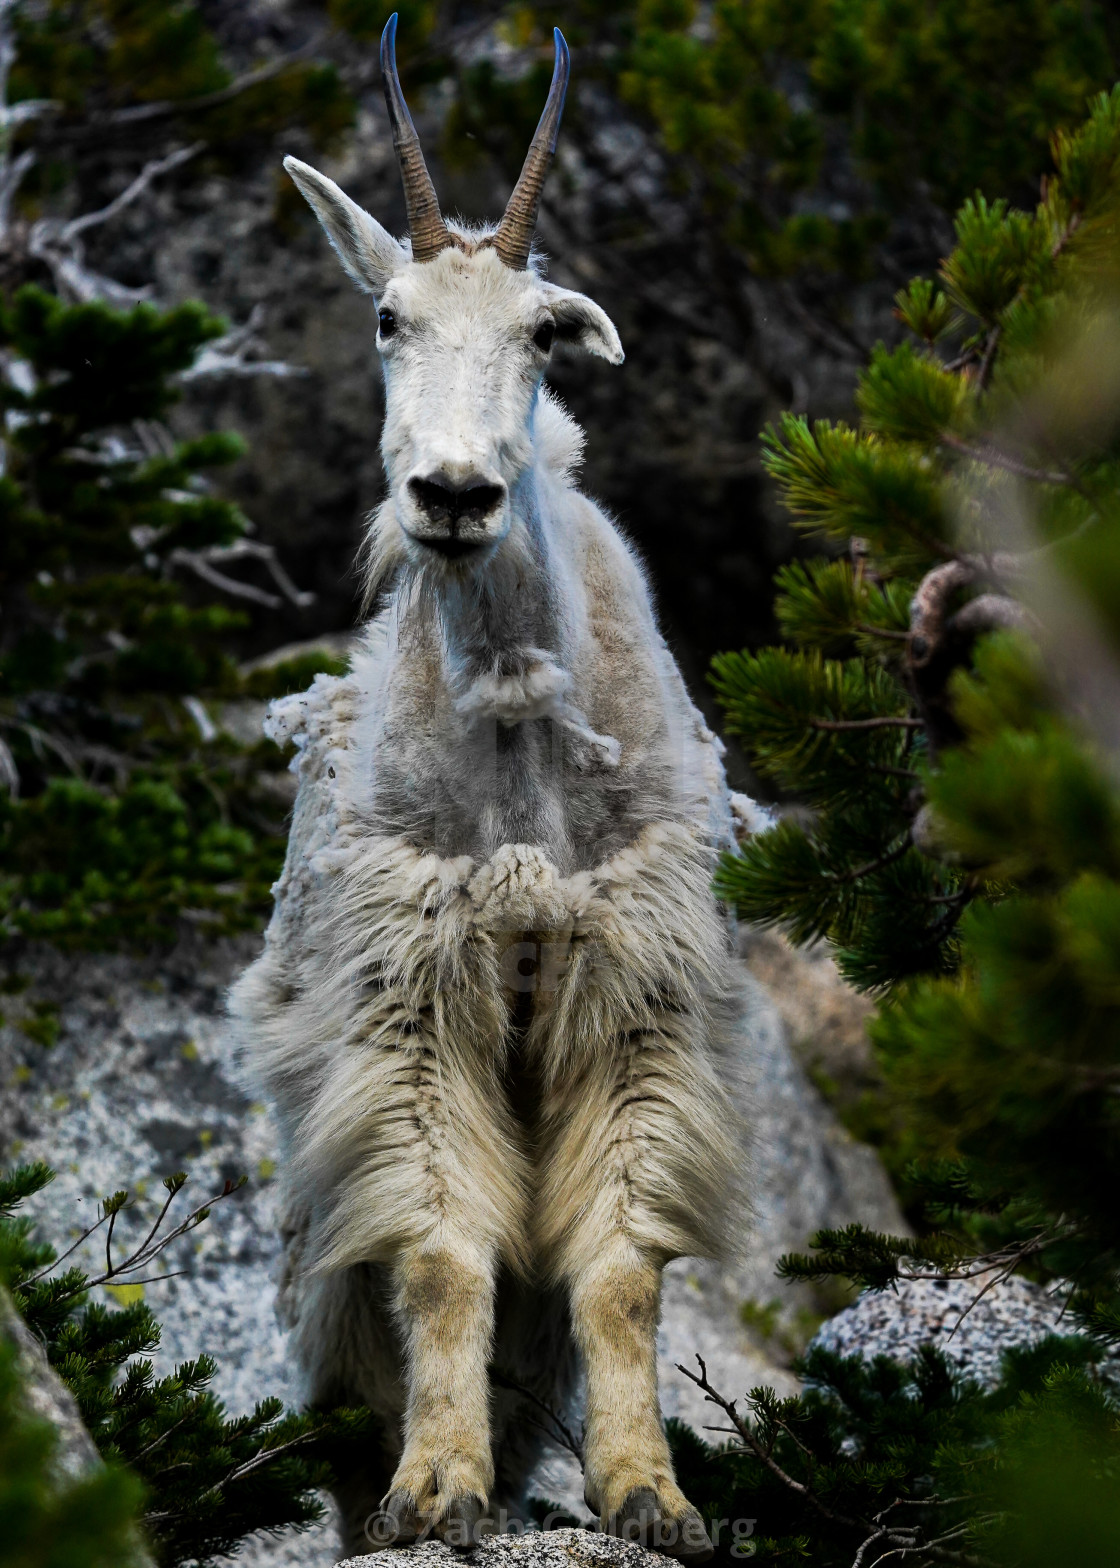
497	1007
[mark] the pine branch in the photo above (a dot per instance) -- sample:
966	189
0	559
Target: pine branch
752	1443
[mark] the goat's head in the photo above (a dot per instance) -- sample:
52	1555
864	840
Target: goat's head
466	325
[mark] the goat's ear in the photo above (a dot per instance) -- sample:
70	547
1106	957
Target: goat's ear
369	253
580	321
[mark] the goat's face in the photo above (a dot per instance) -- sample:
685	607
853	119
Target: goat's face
464	342
466	327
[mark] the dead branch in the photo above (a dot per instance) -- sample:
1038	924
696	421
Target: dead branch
991	612
12	173
751	1442
12	176
560	1430
903	1540
928	607
204	563
9	773
167	109
225	356
887	858
888	722
59	244
152	1245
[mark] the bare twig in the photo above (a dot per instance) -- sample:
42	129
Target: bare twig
148	1250
877	1535
204	563
562	1431
12	176
151	171
890	722
994	457
167	109
903	1540
986	363
41	739
238	1473
12	173
886	859
9	773
59	244
881	631
225	356
751	1441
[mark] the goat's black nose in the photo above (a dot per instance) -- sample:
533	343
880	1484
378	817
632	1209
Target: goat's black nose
452	508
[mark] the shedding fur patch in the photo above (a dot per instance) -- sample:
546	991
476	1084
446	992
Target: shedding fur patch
537	692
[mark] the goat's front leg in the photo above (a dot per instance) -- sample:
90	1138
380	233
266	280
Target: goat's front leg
627	1175
629	1475
445	1299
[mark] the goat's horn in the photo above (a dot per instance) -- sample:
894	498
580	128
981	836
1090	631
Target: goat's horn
514	235
425	223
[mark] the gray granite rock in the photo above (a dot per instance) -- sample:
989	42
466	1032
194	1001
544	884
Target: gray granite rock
141	1082
534	1549
973	1333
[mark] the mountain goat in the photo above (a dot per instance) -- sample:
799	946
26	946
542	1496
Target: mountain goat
496	1007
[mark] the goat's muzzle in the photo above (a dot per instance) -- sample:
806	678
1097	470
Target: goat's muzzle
455	518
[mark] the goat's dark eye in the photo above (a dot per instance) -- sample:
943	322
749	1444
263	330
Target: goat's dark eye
387	322
544	335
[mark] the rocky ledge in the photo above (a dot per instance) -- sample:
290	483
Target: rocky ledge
533	1549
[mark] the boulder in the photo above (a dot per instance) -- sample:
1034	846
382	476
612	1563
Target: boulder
972	1329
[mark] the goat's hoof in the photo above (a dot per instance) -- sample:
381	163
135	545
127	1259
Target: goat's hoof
642	1519
458	1521
401	1524
459	1524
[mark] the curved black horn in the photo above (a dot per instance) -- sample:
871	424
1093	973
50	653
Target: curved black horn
514	235
425	222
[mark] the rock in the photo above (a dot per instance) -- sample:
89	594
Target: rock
45	1395
826	1019
973	1333
140	1082
534	1549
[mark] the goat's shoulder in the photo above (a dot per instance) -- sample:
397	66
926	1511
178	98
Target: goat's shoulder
616	587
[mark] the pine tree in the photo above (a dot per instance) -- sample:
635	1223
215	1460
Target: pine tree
942	710
124	804
124	807
817	127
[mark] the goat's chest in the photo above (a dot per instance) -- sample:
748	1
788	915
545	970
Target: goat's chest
469	790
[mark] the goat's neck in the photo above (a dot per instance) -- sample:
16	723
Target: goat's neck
505	633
